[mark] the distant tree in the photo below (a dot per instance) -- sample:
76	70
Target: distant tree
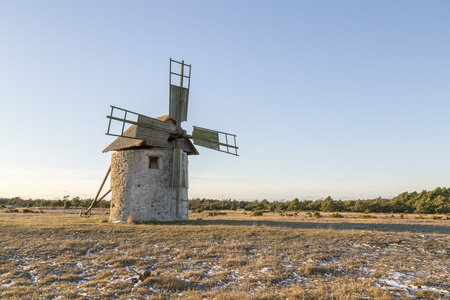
314	205
329	205
272	206
360	206
349	205
442	204
76	202
294	205
283	206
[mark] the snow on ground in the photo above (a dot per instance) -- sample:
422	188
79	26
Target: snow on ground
109	263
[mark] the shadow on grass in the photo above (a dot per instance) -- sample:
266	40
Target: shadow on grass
385	227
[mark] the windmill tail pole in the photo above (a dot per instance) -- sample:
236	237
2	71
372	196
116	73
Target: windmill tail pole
86	212
103	182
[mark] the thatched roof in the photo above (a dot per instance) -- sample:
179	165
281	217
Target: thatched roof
154	138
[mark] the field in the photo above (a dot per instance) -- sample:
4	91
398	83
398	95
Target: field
58	255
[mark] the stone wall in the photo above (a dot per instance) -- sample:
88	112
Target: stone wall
143	192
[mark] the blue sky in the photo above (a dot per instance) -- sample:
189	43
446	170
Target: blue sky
340	98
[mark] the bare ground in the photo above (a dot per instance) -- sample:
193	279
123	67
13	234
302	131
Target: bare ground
58	255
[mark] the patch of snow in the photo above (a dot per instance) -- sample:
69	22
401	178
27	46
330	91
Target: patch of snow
402	286
7	284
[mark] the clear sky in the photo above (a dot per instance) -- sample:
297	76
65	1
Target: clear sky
342	98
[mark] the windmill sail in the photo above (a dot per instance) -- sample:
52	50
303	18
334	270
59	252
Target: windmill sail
153	123
147	128
179	94
216	140
178	103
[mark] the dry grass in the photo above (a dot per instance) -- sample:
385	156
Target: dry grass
57	255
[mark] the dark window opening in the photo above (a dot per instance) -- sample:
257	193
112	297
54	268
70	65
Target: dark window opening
153	164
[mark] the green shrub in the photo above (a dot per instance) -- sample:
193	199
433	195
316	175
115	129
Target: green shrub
317	214
216	213
257	213
27	211
365	216
436	217
336	215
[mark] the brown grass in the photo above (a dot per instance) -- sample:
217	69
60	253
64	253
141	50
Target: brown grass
232	256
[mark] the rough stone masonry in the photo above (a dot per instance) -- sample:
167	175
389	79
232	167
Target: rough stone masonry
141	184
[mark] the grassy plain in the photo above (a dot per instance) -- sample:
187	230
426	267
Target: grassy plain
58	255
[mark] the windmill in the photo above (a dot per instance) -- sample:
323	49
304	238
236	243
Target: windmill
149	170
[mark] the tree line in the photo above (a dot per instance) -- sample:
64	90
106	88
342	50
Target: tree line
65	202
425	202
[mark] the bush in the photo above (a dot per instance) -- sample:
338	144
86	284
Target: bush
317	214
436	217
215	213
257	213
27	211
365	216
336	215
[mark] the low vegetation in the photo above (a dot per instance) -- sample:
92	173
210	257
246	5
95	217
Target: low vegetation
425	202
336	215
58	255
64	203
366	216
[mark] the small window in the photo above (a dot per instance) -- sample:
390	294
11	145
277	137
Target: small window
153	162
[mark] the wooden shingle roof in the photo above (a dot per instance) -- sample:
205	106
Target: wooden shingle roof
157	139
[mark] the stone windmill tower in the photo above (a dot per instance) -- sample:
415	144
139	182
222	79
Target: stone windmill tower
149	170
